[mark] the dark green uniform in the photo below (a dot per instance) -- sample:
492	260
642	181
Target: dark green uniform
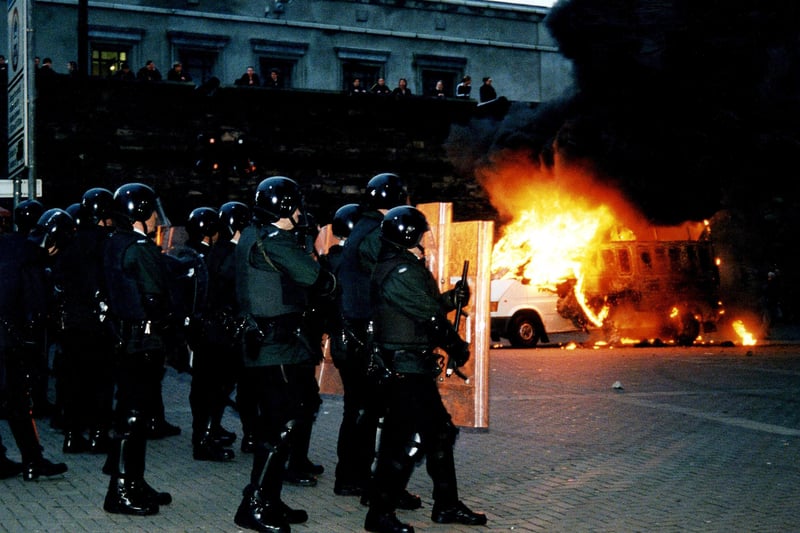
275	278
406	299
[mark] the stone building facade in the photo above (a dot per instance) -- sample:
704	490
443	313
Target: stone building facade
316	45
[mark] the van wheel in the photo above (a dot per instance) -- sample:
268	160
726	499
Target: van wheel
689	330
525	331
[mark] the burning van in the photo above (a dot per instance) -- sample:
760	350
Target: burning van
666	290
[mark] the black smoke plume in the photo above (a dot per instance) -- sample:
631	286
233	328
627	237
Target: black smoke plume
690	107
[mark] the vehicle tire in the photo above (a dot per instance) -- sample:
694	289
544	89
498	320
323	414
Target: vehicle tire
689	330
525	330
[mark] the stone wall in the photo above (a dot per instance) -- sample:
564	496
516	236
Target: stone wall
101	133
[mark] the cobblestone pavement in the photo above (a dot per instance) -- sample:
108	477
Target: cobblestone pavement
698	439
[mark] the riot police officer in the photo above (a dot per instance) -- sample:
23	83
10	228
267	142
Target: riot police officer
410	322
209	439
275	277
26	215
139	312
24	306
234	217
85	372
362	407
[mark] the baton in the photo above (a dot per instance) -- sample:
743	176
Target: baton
451	366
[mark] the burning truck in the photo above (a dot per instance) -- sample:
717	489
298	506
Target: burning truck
667	290
576	256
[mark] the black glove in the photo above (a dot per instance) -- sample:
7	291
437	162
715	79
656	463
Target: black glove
461	293
445	336
458	352
458	295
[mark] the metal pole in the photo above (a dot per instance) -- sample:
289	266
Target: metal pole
31	104
83	38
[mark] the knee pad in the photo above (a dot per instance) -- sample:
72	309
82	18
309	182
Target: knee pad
132	422
286	432
414	447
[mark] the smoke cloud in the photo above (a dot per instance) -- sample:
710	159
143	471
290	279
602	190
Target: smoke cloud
690	108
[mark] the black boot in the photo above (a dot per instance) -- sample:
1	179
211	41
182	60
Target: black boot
42	467
126	497
34	465
386	523
98	441
254	513
75	442
204	443
456	513
222	436
208	449
128	492
161	498
261	508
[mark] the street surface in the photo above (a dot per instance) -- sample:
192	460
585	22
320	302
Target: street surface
700	439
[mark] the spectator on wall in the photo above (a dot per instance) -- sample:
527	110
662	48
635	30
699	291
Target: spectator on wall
438	90
356	87
381	88
464	88
249	78
149	72
274	81
402	90
176	73
124	73
487	91
46	76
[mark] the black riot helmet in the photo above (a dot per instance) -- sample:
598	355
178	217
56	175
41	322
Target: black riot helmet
27	214
96	204
344	219
385	191
74	210
277	197
404	226
202	222
137	202
55	228
233	217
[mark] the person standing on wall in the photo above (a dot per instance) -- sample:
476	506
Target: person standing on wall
487	92
464	88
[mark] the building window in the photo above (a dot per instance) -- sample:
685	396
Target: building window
199	64
431	69
199	52
107	61
111	47
281	55
368	65
366	73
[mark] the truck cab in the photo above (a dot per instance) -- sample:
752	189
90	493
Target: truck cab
525	313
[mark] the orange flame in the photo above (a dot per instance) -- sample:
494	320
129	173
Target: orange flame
557	217
748	339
